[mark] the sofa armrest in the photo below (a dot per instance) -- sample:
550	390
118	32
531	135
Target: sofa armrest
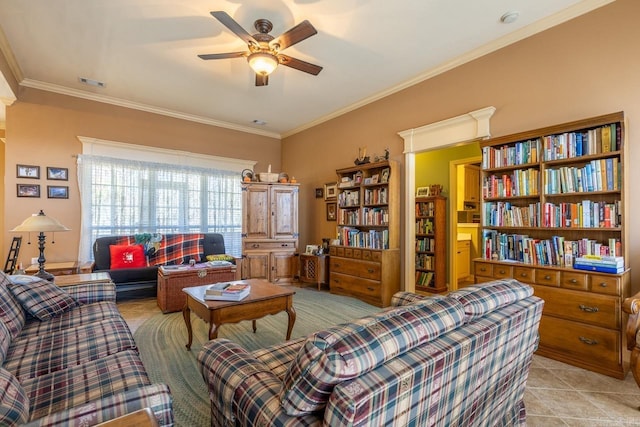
631	306
155	396
88	293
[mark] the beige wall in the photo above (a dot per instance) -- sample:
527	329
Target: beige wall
42	130
585	67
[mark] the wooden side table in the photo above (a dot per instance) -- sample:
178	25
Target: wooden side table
62	268
314	269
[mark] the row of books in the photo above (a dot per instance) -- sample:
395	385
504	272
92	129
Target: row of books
597	175
375	216
424	226
425	209
348	217
575	144
426	244
522	182
376	196
373	239
521	153
585	214
555	251
426	262
227	291
424	278
504	214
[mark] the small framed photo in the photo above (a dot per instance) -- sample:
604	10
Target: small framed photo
57	174
28	171
28	190
57	192
384	175
331	211
312	249
331	191
375	178
319	193
423	192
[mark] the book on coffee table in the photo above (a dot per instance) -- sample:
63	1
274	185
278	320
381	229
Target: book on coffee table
227	291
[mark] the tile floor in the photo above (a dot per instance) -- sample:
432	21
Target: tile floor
557	394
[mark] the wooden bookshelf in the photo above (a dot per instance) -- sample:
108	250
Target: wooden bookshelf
431	244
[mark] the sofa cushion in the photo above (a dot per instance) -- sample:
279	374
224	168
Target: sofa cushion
42	299
5	342
479	300
11	312
14	403
347	351
127	256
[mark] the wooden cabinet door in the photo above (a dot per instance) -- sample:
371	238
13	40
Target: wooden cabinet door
255	265
283	266
256	210
471	184
284	212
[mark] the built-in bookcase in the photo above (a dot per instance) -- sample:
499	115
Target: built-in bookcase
431	244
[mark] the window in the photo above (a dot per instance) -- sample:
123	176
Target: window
120	197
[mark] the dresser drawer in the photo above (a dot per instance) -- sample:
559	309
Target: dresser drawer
603	284
353	267
580	341
250	246
483	269
524	274
502	271
574	280
350	285
599	310
547	277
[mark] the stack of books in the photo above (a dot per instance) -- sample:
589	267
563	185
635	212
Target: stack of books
227	291
602	264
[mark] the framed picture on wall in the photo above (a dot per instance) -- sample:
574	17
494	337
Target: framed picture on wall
28	171
331	191
57	174
331	211
57	192
28	190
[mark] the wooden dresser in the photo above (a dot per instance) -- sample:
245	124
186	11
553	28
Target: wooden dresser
582	323
368	274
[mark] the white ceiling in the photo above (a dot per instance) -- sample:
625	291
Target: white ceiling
145	51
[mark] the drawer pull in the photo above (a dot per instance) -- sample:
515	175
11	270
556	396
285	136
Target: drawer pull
483	269
547	277
523	274
284	245
603	284
588	309
588	341
573	281
502	272
255	245
336	265
371	289
370	270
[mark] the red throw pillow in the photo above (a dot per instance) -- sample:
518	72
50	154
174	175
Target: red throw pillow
125	256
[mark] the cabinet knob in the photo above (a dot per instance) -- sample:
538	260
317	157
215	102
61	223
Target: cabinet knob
335	264
547	277
588	309
284	245
523	274
603	284
573	281
483	269
502	272
255	245
370	270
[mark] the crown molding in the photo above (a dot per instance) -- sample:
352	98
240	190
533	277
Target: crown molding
63	90
506	40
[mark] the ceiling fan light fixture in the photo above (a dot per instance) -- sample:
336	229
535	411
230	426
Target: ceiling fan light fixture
262	63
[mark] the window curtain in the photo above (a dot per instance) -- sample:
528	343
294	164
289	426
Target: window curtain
122	197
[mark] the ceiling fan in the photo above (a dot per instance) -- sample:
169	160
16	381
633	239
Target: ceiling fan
264	50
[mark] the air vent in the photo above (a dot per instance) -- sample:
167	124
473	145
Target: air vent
91	82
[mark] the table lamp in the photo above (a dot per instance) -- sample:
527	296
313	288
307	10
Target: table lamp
41	223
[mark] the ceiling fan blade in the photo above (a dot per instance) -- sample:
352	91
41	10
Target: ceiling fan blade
299	64
223	55
295	35
262	80
231	24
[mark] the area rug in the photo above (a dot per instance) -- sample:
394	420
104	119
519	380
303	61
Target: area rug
162	339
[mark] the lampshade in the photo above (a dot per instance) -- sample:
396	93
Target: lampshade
262	63
40	222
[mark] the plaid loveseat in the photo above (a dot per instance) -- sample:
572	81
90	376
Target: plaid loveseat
456	360
67	357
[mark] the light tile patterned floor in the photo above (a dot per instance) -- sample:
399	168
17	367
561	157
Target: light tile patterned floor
557	394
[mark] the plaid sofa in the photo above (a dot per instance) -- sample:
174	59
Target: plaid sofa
77	367
456	360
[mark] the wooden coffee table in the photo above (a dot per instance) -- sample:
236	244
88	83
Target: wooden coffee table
265	298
